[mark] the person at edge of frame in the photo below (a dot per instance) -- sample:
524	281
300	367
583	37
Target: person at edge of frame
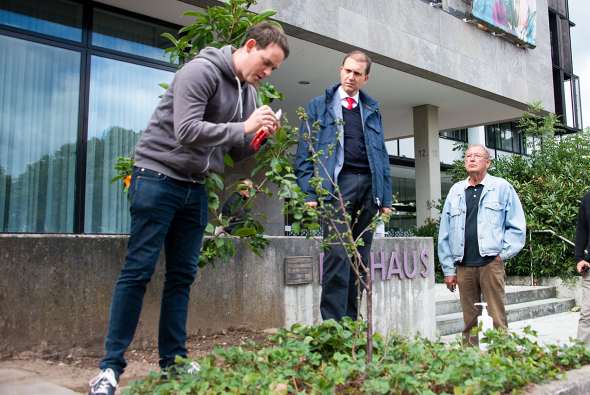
208	111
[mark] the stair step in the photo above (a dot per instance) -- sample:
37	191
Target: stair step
514	295
448	324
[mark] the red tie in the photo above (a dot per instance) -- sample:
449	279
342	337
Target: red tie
350	102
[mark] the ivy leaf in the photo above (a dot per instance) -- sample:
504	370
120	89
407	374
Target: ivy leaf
244	232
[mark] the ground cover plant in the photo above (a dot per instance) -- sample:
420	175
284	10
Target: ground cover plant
330	358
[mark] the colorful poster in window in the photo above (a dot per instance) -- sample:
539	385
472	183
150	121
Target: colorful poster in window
517	18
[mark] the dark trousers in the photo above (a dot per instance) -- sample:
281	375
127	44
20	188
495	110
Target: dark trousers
339	290
169	213
488	280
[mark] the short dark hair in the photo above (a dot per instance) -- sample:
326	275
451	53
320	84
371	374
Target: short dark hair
359	56
266	33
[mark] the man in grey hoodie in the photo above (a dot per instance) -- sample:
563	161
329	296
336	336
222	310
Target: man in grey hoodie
208	111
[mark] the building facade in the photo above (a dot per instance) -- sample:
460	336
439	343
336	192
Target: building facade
80	79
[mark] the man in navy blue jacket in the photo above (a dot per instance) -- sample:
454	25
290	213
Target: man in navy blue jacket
354	157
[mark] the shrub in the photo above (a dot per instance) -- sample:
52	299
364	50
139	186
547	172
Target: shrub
550	182
329	358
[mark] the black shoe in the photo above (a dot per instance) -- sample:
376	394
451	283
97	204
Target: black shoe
105	383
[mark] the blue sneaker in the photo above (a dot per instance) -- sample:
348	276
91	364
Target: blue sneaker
105	383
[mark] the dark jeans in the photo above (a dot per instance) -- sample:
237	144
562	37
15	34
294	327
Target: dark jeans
339	290
163	212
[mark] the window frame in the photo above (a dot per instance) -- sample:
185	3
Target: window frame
494	138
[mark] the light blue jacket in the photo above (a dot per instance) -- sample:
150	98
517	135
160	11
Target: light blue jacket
501	225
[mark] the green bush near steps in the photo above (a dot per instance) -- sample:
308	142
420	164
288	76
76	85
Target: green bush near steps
330	358
550	181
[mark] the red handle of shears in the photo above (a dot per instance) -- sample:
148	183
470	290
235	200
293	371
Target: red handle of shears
261	135
259	138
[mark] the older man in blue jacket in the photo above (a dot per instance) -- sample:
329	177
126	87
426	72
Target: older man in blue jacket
354	157
481	226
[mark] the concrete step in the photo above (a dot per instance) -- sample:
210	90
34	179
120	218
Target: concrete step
449	303
448	324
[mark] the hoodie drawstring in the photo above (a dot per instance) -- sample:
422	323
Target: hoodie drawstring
240	105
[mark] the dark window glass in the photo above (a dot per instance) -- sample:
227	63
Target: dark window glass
57	18
506	137
566	45
38	131
122	99
553	38
130	35
458	134
490	137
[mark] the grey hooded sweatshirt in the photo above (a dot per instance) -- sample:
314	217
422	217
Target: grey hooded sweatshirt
199	119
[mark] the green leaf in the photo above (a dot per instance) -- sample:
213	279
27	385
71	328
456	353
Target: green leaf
244	232
228	160
170	38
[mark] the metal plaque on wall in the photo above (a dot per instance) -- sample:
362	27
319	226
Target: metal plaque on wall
298	270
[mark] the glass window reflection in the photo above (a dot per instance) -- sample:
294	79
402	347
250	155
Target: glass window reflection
38	130
122	99
126	34
58	18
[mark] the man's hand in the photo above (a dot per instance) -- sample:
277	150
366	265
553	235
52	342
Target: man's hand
451	282
311	204
582	266
385	211
263	117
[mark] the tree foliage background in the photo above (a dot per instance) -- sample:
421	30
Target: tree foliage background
550	181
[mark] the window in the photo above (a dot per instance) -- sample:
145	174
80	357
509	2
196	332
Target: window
72	99
38	129
130	35
56	18
122	98
457	134
505	137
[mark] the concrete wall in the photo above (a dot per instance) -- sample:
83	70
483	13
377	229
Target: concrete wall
411	36
55	290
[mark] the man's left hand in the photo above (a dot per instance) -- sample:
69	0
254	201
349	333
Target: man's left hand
385	211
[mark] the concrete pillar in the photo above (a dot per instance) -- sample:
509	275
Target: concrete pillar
426	149
476	135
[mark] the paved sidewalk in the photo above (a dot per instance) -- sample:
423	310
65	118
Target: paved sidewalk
22	382
556	328
551	329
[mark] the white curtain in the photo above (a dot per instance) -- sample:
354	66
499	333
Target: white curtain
39	99
122	99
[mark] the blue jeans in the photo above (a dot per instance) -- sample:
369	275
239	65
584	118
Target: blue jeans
165	212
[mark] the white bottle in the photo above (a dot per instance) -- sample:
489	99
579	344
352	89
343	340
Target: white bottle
486	322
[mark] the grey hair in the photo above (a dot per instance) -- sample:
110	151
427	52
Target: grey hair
479	146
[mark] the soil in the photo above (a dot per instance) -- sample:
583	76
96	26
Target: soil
75	367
